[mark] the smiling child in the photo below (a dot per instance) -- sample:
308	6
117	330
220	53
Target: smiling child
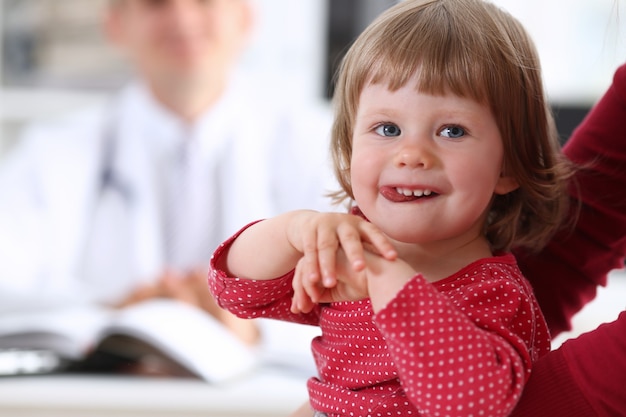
447	155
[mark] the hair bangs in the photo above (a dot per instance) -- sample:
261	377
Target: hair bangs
430	46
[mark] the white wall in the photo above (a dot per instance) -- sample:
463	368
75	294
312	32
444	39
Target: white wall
580	42
287	48
289	44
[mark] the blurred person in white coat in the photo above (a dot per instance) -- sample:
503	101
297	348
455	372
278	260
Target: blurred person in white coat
127	201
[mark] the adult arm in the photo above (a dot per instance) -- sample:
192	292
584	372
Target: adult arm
586	375
567	272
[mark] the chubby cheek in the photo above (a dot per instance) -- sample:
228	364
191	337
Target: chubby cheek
364	174
478	180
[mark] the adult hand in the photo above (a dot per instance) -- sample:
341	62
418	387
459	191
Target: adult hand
304	410
191	288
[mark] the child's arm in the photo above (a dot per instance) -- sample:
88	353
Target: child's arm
307	239
263	251
441	337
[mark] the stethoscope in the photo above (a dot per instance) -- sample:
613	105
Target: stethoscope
109	177
113	199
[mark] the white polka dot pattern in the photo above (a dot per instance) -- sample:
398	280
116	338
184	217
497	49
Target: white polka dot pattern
460	347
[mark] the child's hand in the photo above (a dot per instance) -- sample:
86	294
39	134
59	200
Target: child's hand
350	285
319	237
379	281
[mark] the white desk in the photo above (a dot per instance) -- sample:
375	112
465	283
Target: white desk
268	393
276	388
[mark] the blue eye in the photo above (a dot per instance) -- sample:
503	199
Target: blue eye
388	129
453	132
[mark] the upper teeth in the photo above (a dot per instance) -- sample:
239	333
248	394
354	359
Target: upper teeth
416	193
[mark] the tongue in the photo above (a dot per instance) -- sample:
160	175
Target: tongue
392	195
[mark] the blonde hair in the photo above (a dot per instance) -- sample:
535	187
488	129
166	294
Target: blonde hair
473	49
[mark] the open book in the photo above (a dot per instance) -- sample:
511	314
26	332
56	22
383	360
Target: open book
174	337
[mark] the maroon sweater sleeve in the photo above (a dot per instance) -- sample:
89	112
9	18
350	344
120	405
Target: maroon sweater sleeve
586	375
566	273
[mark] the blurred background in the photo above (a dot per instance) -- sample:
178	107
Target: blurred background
54	57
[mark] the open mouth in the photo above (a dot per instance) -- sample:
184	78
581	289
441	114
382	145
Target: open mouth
414	193
399	194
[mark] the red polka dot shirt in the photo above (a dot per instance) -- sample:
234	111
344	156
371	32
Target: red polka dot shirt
463	346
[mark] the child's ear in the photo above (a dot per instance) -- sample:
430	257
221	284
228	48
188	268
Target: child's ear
505	185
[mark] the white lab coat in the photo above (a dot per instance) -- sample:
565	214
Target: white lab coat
64	238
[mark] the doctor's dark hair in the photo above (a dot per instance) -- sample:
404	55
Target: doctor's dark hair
472	49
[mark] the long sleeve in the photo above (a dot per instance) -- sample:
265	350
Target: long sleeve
586	375
466	352
463	346
566	273
250	298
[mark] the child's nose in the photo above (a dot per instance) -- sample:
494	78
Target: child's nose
415	153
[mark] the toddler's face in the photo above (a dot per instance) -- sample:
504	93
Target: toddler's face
425	168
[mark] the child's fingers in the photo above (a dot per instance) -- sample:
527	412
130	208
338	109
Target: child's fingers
318	245
308	280
298	292
327	266
356	238
375	241
301	301
326	255
312	286
352	246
